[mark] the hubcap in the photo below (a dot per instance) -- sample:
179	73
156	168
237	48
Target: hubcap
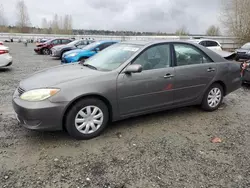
89	119
46	52
214	97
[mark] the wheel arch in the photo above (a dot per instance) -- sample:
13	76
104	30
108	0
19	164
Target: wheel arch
224	87
97	96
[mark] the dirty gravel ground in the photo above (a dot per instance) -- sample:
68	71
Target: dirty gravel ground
166	149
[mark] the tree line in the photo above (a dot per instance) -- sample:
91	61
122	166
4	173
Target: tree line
235	17
58	24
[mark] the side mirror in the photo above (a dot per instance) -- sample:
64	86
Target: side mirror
136	68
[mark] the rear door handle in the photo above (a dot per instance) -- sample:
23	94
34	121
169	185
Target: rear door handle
210	69
168	76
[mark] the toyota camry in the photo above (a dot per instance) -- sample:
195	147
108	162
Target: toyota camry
127	79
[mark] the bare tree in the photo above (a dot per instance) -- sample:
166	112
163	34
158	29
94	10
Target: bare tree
182	31
61	23
236	18
3	21
55	24
213	31
23	20
67	25
45	23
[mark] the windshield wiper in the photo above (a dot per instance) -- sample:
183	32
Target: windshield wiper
90	66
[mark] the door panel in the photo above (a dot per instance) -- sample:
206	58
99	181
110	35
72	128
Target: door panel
150	89
193	72
191	81
144	91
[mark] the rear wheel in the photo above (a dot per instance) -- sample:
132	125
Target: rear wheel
213	98
87	119
46	51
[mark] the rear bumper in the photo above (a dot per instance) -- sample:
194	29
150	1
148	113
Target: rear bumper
246	77
5	60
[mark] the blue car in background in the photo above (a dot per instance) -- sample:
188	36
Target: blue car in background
86	52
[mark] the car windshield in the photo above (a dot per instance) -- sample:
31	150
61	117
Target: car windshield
246	46
112	57
91	46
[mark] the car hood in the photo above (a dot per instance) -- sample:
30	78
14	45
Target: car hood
60	74
73	51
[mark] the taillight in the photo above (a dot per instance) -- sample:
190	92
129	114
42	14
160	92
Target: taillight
4	52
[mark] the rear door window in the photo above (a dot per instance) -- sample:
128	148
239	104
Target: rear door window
65	41
211	43
187	54
55	42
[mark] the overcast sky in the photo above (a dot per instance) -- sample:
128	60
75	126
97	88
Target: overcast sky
135	15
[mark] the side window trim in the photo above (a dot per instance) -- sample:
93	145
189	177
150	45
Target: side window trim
171	60
151	46
174	53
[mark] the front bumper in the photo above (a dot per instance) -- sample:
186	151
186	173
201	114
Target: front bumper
43	115
243	56
69	60
37	50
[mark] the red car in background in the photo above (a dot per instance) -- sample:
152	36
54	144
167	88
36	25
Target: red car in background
44	48
1	43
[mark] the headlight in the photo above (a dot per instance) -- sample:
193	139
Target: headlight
248	52
38	94
72	55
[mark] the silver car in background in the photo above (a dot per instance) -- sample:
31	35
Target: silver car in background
126	79
58	51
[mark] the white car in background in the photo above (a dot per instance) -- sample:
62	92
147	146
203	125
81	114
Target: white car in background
211	44
5	57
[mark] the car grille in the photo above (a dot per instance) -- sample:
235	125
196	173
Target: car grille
20	91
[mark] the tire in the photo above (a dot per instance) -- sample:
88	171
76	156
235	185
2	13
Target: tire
82	59
217	99
46	51
62	54
75	118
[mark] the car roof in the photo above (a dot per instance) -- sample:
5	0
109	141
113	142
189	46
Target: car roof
200	40
152	42
104	41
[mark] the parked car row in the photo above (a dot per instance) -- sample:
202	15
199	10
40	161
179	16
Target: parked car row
58	51
122	80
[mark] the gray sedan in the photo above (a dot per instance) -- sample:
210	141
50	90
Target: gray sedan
127	79
58	51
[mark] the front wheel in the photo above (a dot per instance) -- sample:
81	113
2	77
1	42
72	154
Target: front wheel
87	119
213	98
82	59
46	51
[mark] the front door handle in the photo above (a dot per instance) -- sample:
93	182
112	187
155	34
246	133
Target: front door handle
168	76
210	69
